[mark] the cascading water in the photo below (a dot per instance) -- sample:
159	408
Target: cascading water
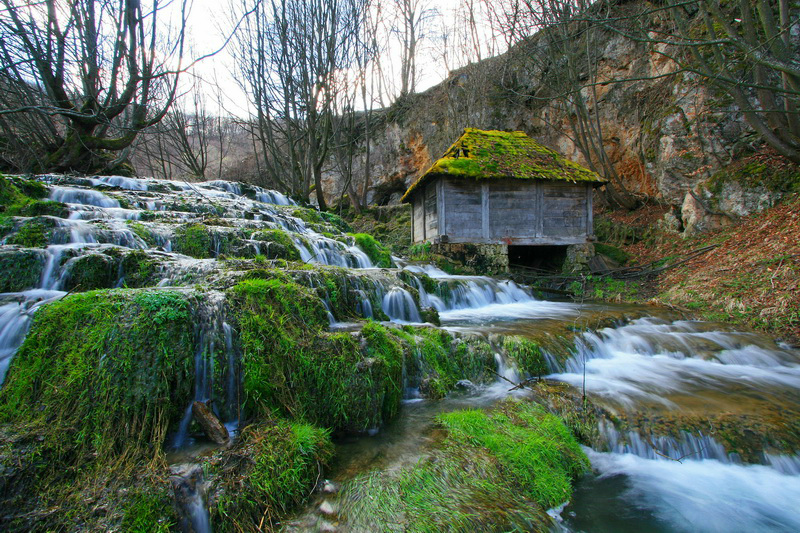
687	480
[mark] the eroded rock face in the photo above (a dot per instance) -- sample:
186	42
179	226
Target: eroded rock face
663	134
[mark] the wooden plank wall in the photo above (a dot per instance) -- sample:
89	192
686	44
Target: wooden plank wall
431	212
503	211
512	210
564	209
462	205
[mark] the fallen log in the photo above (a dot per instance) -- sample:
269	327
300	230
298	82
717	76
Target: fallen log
213	428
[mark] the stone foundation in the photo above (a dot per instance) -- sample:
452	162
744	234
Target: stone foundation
483	259
578	256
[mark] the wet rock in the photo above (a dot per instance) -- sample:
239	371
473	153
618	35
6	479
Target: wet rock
327	508
465	385
213	428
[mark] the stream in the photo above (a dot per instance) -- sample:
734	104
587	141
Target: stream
689	392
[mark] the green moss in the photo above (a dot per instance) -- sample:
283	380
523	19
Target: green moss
272	468
377	253
44	207
495	471
774	174
291	365
143	232
20	270
34	233
527	355
138	269
148	510
438	361
280	245
615	254
480	154
193	240
103	373
92	271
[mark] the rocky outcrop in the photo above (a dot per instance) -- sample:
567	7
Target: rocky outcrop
665	131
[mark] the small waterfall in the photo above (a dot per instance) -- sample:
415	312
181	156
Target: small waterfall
689	447
399	306
121	182
188	486
274	197
658	362
71	195
214	345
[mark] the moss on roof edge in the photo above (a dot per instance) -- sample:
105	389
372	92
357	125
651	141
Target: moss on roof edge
523	157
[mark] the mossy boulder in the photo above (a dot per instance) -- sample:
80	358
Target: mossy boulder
138	269
33	233
20	269
527	355
436	361
92	271
103	372
277	245
193	240
271	469
290	364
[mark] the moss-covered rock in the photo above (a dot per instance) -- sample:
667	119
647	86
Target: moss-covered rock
527	355
495	471
193	240
105	372
92	271
138	269
20	269
278	245
290	364
271	469
437	361
34	233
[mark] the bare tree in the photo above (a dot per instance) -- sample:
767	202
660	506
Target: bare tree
96	72
289	57
413	17
747	48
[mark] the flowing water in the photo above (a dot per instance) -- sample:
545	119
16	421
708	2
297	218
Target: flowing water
680	385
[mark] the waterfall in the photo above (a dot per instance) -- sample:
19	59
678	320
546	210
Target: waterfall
70	195
399	305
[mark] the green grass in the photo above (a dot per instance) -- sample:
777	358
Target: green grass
377	253
527	355
495	471
272	469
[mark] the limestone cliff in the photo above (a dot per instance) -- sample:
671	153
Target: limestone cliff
664	131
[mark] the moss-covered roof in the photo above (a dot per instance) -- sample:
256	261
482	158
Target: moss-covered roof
480	154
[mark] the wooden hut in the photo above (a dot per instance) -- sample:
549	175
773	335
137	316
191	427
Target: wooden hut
505	189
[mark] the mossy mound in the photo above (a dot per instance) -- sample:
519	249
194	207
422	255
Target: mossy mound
377	253
92	271
527	355
88	401
290	364
495	471
278	245
193	240
20	269
33	233
437	361
103	373
271	469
